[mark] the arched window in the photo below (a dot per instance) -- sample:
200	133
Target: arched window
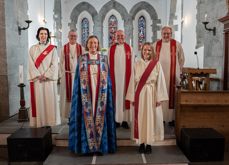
84	31
141	31
112	28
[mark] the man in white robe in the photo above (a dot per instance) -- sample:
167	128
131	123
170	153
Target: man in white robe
171	57
43	75
121	62
68	63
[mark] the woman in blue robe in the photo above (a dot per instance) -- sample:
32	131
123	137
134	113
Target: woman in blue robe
92	118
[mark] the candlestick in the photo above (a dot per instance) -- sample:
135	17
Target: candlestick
23	111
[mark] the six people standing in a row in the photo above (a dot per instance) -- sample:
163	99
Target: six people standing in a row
99	94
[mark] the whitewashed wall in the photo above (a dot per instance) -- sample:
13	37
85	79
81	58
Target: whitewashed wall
189	35
36	14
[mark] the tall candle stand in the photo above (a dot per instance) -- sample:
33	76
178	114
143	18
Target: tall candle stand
23	111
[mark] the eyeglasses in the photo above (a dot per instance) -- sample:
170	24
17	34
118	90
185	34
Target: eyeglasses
167	33
120	36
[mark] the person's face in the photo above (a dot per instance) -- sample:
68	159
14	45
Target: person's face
43	35
147	52
120	37
72	37
92	45
166	34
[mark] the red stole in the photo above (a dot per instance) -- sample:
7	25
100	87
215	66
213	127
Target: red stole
43	55
172	84
38	62
127	71
68	74
141	83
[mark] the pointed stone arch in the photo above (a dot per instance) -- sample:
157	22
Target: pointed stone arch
153	15
78	9
124	14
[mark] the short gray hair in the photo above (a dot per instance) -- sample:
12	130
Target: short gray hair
167	27
72	30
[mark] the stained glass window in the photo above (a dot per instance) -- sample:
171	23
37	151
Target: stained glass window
141	31
112	28
84	31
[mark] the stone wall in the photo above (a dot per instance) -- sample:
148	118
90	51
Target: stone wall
213	45
13	51
98	9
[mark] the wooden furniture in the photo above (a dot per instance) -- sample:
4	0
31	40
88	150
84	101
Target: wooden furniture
29	144
203	109
198	79
202	144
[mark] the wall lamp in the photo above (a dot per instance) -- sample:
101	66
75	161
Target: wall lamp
24	28
209	29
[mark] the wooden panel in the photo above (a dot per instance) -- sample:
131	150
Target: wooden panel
199	71
198	98
203	109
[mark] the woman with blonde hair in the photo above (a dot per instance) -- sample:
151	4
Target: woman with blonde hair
146	91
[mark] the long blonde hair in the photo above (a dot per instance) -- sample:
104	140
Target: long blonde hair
153	55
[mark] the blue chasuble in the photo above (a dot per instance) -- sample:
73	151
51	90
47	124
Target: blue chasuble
90	133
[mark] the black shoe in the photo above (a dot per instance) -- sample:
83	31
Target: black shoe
88	154
117	125
125	125
98	153
148	149
141	149
172	123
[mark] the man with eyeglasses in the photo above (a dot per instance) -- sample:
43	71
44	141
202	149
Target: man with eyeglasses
171	56
121	62
68	63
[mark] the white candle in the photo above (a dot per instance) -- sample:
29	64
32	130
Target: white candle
205	17
28	14
21	81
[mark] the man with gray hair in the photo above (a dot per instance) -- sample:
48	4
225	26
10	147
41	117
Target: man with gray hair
171	56
121	62
68	63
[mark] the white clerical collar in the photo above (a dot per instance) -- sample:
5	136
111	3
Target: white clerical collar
72	44
93	56
165	41
43	43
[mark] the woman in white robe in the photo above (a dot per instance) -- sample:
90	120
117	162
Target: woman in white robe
150	116
43	75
